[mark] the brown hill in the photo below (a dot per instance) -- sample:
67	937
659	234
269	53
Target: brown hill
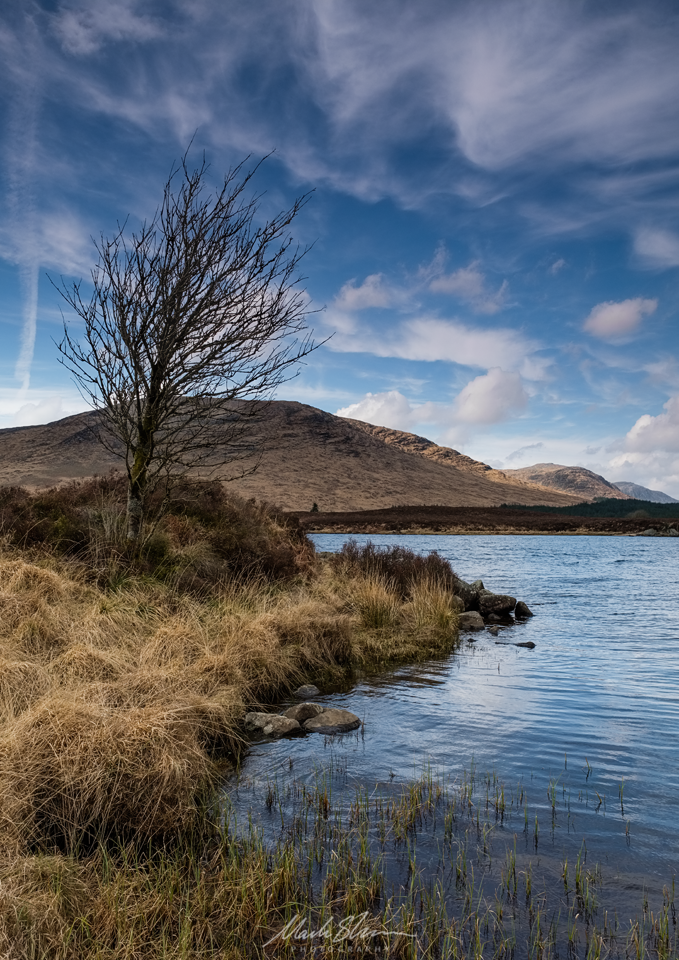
411	443
576	480
310	456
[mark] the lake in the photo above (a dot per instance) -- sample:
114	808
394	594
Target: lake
586	725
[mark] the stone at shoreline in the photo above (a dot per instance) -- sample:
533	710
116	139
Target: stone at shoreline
651	532
458	604
526	643
333	720
493	618
494	631
477	585
523	611
307	690
495	603
471	621
270	725
672	532
303	711
467	593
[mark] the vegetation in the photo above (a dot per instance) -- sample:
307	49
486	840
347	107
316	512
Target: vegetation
608	507
191	324
123	684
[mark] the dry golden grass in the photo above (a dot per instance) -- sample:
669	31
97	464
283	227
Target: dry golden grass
115	708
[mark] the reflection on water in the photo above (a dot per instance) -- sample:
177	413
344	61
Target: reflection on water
588	718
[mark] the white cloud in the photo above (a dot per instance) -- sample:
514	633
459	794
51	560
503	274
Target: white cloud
491	398
657	248
469	283
433	339
388	409
656	433
25	408
557	266
618	319
371	293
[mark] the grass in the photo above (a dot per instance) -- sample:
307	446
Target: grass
122	692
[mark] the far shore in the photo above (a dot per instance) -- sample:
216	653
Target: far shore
480	521
456	532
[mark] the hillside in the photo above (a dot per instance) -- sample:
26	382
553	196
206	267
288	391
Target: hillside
310	457
574	480
643	493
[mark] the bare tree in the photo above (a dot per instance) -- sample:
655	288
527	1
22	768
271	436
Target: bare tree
192	323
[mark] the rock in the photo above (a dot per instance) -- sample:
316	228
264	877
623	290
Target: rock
333	720
468	594
495	603
270	725
493	618
494	630
523	611
458	604
471	621
528	644
651	532
303	711
308	690
672	532
477	585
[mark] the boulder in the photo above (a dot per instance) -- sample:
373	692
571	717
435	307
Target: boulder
303	711
457	604
494	631
672	532
477	585
270	725
467	593
523	611
333	720
471	621
307	690
526	643
651	532
495	603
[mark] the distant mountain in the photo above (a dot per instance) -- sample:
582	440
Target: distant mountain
310	456
643	493
575	480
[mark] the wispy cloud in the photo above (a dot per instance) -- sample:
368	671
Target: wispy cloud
658	249
470	284
83	28
520	454
428	338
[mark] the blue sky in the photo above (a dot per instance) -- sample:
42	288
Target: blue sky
495	215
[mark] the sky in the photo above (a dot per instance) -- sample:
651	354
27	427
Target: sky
494	222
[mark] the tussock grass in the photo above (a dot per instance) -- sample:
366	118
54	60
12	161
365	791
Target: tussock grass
120	699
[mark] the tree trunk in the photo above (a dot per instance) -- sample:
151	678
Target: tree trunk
135	513
137	481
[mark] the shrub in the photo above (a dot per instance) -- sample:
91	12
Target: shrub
205	537
401	567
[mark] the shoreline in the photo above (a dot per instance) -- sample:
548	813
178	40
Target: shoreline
455	532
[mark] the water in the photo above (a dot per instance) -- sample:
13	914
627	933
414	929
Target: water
591	711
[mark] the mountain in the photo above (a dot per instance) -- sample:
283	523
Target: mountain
637	492
574	480
310	457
